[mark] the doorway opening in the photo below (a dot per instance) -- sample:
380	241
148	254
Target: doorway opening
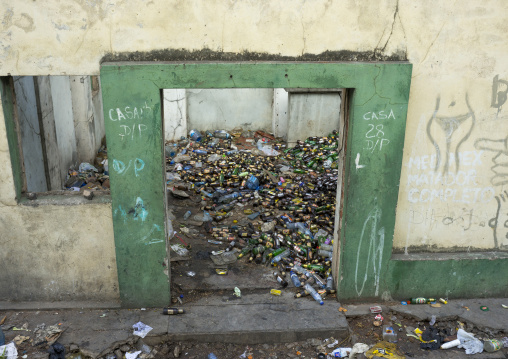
252	179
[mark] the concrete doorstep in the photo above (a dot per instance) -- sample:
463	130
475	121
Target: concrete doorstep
250	319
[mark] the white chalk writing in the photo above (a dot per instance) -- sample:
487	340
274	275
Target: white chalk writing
376	240
381	115
120	167
128	112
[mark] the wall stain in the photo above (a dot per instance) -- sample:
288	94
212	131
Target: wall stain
25	22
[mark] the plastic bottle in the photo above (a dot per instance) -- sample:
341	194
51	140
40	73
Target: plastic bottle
505	342
229	197
205	217
200	152
212	356
319	281
278	257
389	335
329	282
299	269
253	183
295	279
326	247
492	345
195	135
325	254
314	294
187	215
221	134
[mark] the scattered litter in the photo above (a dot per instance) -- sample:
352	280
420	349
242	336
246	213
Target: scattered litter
484	308
334	343
432	321
172	311
24	327
469	342
376	309
180	250
48	334
85	167
191	274
220	271
358	348
238	293
18	339
275	291
9	351
56	351
341	352
342	309
444	301
134	355
502	305
141	329
450	344
224	258
384	349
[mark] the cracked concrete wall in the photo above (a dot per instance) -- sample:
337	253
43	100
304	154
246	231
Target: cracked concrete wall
459	53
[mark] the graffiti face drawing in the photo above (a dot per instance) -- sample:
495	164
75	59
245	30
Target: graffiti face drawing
447	128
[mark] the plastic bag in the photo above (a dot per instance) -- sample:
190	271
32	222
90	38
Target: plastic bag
469	342
133	355
358	348
9	351
180	250
171	176
214	157
141	329
85	167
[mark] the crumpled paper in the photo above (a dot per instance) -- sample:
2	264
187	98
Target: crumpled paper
141	329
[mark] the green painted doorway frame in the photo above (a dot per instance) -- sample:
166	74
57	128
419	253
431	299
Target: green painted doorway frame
373	159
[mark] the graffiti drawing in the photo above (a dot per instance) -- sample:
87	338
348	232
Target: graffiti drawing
500	159
449	126
148	238
499	223
376	239
499	92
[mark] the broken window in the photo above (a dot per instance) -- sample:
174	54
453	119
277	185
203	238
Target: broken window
61	131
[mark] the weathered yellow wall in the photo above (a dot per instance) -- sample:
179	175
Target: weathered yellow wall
54	252
457	48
